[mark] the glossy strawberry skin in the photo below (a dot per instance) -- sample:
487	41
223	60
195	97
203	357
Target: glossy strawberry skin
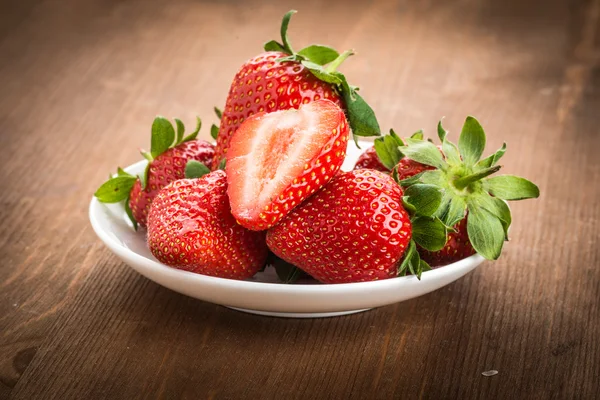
309	178
265	85
457	247
190	227
164	169
368	159
354	229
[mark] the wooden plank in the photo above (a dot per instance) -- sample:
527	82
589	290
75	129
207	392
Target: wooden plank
81	83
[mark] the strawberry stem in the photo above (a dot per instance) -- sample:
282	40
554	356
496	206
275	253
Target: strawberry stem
332	67
465	181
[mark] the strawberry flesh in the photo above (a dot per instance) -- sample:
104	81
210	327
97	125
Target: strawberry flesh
277	160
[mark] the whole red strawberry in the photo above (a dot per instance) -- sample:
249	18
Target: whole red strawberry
190	227
280	79
277	160
170	152
369	160
354	229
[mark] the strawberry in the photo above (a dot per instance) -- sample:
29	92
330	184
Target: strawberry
407	168
280	79
190	227
277	160
167	160
354	229
464	179
369	160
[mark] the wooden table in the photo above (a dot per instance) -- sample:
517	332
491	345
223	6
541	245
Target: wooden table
80	84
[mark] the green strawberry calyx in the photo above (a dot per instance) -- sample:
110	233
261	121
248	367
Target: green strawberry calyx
421	201
163	137
467	187
323	62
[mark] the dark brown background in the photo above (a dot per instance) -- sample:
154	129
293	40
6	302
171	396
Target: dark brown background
80	82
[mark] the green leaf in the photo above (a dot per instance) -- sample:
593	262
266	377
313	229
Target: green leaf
321	73
510	187
122	172
430	233
334	65
465	181
408	262
222	164
486	233
424	152
434	177
491	160
163	136
424	198
284	27
219	113
144	176
398	141
194	134
471	142
418	135
441	131
273	45
319	54
496	206
195	169
130	214
214	131
360	115
456	211
115	189
386	148
412	263
180	131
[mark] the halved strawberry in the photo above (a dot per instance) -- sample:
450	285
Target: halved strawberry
276	160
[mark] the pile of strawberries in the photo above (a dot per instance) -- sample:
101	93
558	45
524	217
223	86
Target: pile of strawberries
271	190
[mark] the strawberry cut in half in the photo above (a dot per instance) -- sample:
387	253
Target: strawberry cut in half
277	160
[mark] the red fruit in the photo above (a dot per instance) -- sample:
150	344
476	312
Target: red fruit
190	227
354	229
265	85
281	78
457	247
369	160
164	169
167	159
278	160
407	168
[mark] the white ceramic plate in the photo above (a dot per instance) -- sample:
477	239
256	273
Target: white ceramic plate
263	294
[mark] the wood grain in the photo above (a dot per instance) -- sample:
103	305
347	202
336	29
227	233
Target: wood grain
81	82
